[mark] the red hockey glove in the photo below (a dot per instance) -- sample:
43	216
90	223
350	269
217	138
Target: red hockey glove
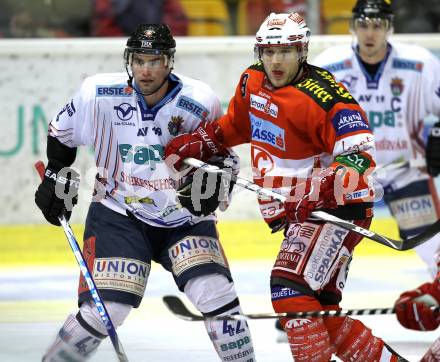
413	307
203	143
318	194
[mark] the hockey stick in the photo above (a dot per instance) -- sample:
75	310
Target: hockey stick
400	163
105	317
178	308
400	245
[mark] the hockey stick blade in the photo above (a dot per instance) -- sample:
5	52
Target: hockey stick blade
400	245
179	309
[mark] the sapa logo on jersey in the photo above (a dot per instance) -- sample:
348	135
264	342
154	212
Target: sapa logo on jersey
267	132
264	105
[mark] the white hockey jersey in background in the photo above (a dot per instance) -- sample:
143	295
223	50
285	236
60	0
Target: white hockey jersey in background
129	139
404	91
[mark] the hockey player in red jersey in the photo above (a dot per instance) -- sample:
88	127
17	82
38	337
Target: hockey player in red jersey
413	310
310	141
398	86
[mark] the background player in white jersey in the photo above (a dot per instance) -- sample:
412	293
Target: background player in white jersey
308	137
398	85
135	217
413	307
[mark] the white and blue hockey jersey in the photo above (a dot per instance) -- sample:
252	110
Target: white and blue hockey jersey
404	91
129	139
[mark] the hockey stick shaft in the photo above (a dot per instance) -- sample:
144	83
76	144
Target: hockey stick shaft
400	163
262	192
103	313
178	308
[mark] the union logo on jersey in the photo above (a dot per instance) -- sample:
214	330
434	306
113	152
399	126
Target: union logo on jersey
174	125
396	86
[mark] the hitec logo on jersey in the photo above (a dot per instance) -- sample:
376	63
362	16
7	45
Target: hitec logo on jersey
267	132
264	105
347	121
124	111
193	107
121	90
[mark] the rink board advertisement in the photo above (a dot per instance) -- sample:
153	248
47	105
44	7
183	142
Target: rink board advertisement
39	77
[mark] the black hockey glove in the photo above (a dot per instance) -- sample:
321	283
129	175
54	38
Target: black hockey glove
202	192
58	192
433	151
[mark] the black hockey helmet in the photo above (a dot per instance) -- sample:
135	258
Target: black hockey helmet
151	39
372	9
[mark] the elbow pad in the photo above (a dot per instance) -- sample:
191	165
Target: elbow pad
58	154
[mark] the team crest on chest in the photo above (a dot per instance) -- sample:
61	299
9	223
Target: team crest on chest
174	125
396	86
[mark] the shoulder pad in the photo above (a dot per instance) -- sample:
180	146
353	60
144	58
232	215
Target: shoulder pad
257	66
322	87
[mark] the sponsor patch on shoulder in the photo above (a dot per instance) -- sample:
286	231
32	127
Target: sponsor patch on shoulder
193	107
399	63
335	67
347	121
117	90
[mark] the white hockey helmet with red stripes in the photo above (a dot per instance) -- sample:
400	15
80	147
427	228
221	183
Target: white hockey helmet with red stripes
284	30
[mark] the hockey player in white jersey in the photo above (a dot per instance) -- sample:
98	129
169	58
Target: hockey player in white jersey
135	217
398	85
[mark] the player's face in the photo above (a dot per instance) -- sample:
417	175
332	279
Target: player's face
372	37
280	63
149	71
